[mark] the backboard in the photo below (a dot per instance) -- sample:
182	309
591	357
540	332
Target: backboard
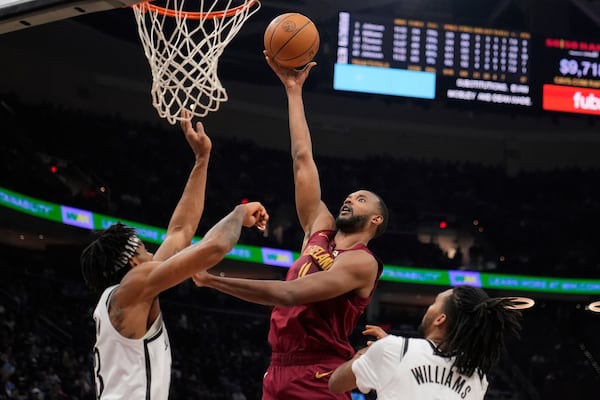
21	14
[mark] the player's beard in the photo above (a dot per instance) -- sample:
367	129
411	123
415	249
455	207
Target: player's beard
354	224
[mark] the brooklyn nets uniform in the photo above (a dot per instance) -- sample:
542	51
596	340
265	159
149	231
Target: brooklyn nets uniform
400	369
130	369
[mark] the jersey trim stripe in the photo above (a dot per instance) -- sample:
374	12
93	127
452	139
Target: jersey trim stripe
405	347
148	366
108	297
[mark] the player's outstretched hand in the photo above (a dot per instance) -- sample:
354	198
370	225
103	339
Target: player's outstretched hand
290	77
374	330
196	138
200	278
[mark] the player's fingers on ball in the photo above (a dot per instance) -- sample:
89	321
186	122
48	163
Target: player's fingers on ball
309	66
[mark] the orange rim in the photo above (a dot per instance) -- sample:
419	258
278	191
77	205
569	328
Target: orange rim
194	15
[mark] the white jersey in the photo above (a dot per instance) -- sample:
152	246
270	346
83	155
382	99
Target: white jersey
130	369
400	368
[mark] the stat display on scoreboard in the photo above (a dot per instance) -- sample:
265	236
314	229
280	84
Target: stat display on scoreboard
431	60
571	77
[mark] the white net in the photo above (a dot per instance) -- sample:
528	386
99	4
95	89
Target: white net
183	47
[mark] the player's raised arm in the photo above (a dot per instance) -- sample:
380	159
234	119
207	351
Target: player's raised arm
355	270
312	213
213	247
186	216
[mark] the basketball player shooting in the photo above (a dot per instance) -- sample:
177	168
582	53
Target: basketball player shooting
328	287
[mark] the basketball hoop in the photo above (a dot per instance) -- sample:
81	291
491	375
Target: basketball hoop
183	43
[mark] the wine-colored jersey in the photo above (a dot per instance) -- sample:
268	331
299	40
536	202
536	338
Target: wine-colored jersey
322	327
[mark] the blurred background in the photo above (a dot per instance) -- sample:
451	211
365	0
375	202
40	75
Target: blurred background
488	167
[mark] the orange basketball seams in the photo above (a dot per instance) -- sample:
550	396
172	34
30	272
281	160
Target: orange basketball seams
291	40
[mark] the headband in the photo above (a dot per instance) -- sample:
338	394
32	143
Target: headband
128	251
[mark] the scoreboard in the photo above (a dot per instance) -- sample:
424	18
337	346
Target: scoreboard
571	82
431	60
453	62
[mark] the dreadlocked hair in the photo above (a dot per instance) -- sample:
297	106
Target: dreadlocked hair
478	328
101	261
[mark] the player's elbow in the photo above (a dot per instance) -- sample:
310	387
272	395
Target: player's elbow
334	385
287	298
220	249
302	155
214	252
181	236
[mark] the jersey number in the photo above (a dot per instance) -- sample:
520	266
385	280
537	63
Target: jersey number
99	380
304	269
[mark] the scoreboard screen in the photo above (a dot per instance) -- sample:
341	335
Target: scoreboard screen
431	60
571	81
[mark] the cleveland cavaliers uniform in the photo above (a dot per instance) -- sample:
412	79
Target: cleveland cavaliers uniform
399	368
130	369
309	341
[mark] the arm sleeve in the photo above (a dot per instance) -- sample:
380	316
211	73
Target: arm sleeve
375	367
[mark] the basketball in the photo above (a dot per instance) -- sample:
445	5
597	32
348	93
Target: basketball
291	40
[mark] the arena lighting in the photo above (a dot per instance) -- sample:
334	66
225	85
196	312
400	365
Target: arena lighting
522	303
594	306
284	258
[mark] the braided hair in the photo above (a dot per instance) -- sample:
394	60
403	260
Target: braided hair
478	328
105	261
